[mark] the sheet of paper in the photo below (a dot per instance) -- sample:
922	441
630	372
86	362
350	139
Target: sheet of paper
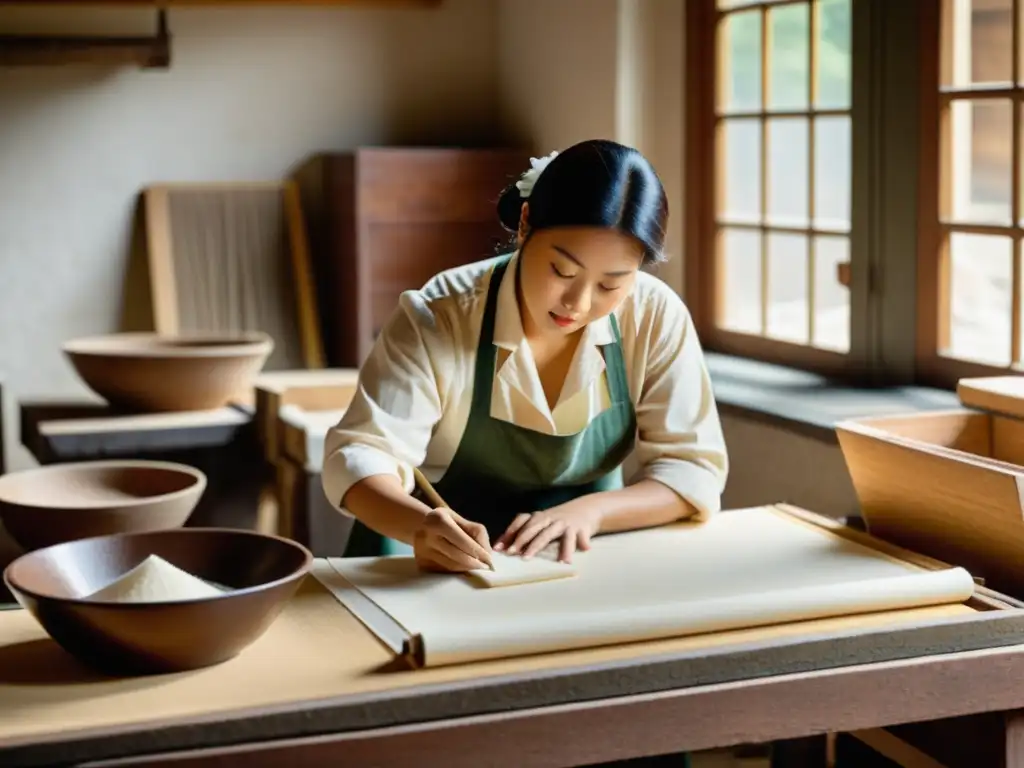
743	569
513	570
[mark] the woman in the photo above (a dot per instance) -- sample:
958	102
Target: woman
519	385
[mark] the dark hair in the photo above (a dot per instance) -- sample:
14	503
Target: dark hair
596	183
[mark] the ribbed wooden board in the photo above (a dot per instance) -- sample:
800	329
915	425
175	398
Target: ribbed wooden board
230	258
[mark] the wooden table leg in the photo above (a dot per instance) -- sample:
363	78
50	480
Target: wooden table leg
1014	739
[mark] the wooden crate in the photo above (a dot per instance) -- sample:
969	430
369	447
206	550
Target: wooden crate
948	484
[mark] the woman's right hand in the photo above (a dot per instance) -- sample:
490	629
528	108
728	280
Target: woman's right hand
446	541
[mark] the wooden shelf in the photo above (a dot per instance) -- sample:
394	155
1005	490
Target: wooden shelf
220	3
54	50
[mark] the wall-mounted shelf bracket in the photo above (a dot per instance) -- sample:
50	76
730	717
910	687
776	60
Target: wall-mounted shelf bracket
53	50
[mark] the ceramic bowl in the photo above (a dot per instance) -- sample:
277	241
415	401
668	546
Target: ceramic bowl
63	502
150	372
262	573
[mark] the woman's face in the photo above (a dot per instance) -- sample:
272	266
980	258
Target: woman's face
573	276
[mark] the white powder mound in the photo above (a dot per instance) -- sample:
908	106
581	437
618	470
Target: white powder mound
155	580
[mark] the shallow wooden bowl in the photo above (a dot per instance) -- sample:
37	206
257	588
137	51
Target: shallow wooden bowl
151	638
62	502
152	372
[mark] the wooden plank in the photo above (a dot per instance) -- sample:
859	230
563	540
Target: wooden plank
896	749
160	250
624	727
54	431
302	271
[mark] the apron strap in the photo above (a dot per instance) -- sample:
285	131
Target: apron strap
483	374
615	364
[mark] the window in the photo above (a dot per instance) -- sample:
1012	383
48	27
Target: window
769	178
969	287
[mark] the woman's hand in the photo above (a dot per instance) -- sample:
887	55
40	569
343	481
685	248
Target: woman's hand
571	524
446	541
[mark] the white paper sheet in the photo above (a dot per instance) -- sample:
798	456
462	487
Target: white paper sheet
512	570
744	568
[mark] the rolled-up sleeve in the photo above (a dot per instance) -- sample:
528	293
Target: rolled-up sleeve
387	426
679	435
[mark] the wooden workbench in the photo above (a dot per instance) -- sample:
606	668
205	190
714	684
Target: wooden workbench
319	689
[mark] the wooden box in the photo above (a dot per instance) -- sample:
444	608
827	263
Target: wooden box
948	484
314	390
386	220
294	409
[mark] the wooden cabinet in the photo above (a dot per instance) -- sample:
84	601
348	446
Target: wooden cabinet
386	220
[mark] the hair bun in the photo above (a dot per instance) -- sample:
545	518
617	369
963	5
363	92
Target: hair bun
510	207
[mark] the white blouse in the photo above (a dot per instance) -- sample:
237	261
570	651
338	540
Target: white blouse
416	387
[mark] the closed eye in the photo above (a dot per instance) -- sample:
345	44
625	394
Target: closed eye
560	273
608	288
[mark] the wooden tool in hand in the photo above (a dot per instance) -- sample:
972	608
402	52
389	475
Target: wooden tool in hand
436	500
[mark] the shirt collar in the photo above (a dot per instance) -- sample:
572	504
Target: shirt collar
508	322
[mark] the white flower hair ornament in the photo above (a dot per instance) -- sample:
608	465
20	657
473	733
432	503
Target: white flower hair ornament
528	179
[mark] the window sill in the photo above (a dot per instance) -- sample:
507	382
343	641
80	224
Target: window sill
805	402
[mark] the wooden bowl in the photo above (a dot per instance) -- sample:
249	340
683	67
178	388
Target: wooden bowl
153	372
62	502
113	638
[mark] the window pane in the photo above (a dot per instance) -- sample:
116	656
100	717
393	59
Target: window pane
980	161
742	183
740	46
981	272
789	31
834	54
832	154
740	279
831	298
981	34
788	152
787	287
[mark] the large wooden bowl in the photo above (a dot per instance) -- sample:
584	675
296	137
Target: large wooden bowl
262	571
62	502
152	372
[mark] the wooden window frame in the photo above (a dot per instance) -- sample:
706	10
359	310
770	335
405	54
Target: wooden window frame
933	257
895	275
702	290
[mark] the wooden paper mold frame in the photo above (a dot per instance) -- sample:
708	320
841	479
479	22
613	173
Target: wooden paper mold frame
178	224
984	618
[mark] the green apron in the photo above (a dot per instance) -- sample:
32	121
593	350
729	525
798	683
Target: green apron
501	470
